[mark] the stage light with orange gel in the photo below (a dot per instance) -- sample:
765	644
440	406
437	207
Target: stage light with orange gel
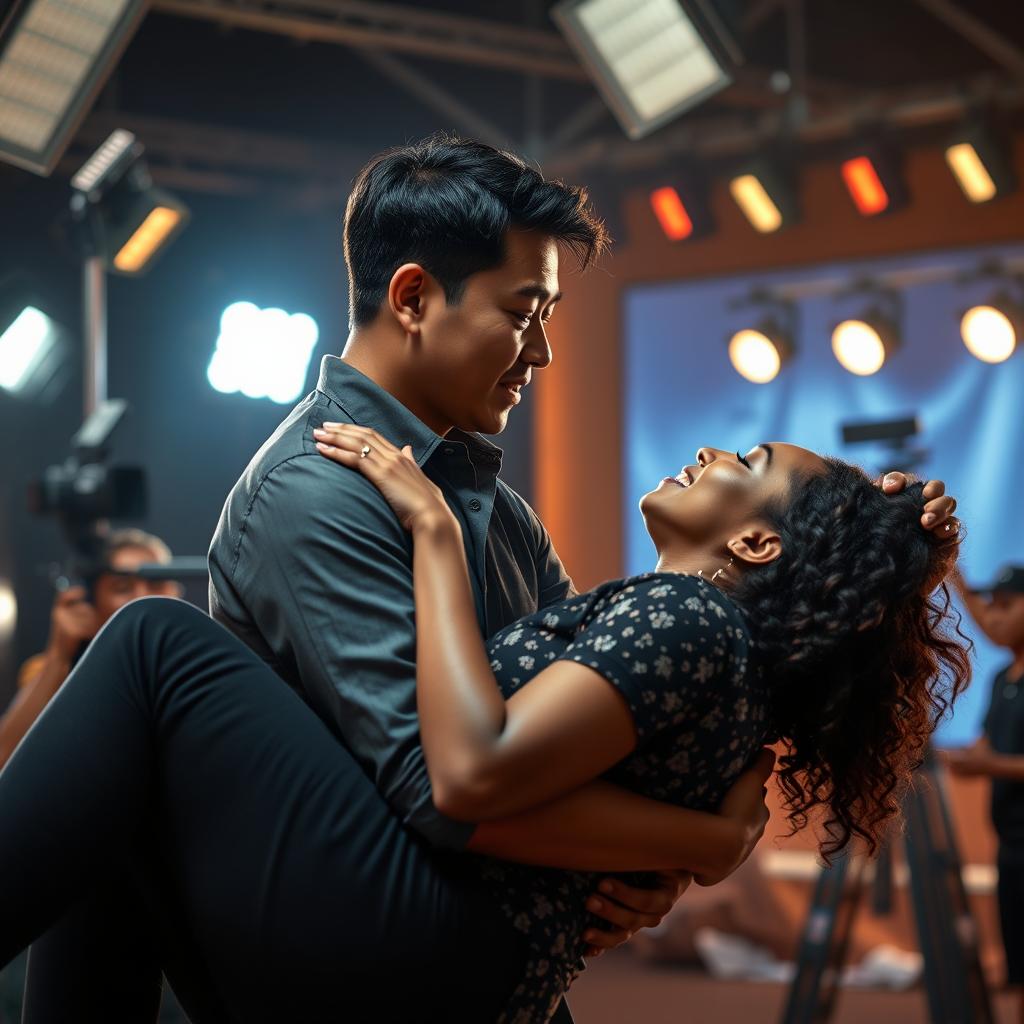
672	214
865	186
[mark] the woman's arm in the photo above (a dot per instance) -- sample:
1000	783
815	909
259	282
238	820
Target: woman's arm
489	758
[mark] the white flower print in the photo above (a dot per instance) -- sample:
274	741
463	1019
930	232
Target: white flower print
662	620
526	661
530	645
661	590
705	670
663	666
551	620
644	640
604	642
513	638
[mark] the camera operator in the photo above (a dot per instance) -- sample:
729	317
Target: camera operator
998	610
75	620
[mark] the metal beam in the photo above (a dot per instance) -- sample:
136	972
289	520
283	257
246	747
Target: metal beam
992	43
429	92
734	135
385	26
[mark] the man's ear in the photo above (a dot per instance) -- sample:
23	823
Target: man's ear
405	296
758	544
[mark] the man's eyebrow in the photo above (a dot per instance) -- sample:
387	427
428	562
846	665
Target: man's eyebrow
537	291
769	451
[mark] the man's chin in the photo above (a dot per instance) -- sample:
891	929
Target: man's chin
487	422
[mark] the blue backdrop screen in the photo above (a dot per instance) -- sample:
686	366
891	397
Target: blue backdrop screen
681	393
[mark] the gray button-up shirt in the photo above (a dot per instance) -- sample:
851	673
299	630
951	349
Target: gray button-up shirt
311	568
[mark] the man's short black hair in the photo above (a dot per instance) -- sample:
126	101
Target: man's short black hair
446	204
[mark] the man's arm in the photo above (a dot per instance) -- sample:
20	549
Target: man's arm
323	569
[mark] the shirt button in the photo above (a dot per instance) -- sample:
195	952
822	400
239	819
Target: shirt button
449	451
474	504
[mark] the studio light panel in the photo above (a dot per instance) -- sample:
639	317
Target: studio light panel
55	55
650	59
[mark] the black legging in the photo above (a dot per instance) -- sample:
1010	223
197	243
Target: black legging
177	776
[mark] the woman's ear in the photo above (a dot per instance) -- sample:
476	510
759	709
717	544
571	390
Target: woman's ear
755	545
405	296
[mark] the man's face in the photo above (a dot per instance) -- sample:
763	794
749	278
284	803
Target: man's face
113	591
1005	619
482	351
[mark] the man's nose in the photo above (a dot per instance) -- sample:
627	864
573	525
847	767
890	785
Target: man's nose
537	351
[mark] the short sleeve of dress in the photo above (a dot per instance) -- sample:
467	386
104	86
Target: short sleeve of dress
665	643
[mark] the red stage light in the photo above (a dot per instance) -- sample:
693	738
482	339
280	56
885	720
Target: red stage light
865	185
671	213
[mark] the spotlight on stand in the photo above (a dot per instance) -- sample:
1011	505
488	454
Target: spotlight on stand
766	194
651	60
54	58
758	353
127	220
871	173
862	343
981	162
991	329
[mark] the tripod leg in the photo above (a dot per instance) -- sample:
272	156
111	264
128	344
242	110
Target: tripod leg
824	943
954	982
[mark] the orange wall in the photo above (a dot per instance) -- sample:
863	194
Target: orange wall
578	442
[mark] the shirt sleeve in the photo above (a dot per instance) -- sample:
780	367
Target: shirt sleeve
553	582
665	645
326	570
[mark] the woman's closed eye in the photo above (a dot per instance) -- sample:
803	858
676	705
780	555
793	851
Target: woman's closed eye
742	459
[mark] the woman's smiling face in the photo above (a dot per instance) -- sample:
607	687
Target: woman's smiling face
721	491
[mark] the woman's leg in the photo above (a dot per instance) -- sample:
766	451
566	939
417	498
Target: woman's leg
306	897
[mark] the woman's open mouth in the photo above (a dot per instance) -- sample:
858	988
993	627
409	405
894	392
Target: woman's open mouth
684	479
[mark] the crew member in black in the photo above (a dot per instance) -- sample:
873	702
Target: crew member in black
998	609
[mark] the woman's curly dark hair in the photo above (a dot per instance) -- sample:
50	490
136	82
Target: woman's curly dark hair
853	622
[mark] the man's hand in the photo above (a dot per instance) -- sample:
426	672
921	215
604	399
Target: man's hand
72	623
937	515
628	909
745	805
974	760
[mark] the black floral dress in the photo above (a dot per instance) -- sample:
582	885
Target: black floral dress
678	651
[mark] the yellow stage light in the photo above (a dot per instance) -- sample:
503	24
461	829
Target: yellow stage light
861	346
757	205
989	333
758	355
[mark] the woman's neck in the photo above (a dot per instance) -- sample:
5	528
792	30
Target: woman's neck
692	562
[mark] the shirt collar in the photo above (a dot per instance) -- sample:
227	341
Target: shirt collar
368	404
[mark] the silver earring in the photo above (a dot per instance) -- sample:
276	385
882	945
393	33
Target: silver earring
720	571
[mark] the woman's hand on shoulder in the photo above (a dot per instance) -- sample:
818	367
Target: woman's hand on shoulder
415	498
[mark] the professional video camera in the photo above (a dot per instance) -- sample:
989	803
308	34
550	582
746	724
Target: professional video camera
84	493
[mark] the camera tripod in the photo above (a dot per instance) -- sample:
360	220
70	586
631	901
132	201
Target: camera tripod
946	930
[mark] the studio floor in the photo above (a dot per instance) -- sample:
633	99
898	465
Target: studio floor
620	989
